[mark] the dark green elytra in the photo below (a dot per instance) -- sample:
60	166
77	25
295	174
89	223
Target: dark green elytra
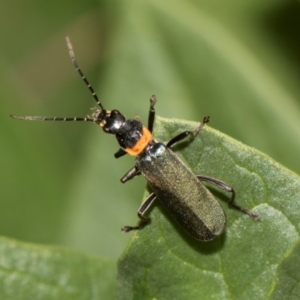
182	193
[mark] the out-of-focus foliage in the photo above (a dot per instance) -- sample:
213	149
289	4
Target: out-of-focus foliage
237	62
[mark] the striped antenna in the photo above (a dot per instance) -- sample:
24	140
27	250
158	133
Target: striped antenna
36	118
93	118
72	55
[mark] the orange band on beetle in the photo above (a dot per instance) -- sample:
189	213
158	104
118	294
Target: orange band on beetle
145	139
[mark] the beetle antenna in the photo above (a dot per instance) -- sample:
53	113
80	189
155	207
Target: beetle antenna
36	118
72	55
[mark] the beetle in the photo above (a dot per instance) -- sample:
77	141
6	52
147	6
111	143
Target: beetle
172	182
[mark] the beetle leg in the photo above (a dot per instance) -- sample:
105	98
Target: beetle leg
224	186
184	134
151	115
131	174
120	153
141	211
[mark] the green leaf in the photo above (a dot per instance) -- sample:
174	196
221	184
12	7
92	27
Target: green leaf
35	272
251	260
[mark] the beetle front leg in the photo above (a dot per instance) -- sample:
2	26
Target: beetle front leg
120	153
151	115
224	186
141	211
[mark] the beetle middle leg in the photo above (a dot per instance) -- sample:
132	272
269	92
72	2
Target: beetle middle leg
141	211
131	174
224	186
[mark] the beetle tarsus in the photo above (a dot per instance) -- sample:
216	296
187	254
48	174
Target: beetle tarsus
138	227
153	100
254	216
194	133
127	228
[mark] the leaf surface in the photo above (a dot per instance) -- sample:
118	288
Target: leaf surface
251	260
29	271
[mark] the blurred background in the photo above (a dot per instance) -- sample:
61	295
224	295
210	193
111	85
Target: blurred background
59	182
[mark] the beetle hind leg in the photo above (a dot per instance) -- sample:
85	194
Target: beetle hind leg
254	216
224	186
141	211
